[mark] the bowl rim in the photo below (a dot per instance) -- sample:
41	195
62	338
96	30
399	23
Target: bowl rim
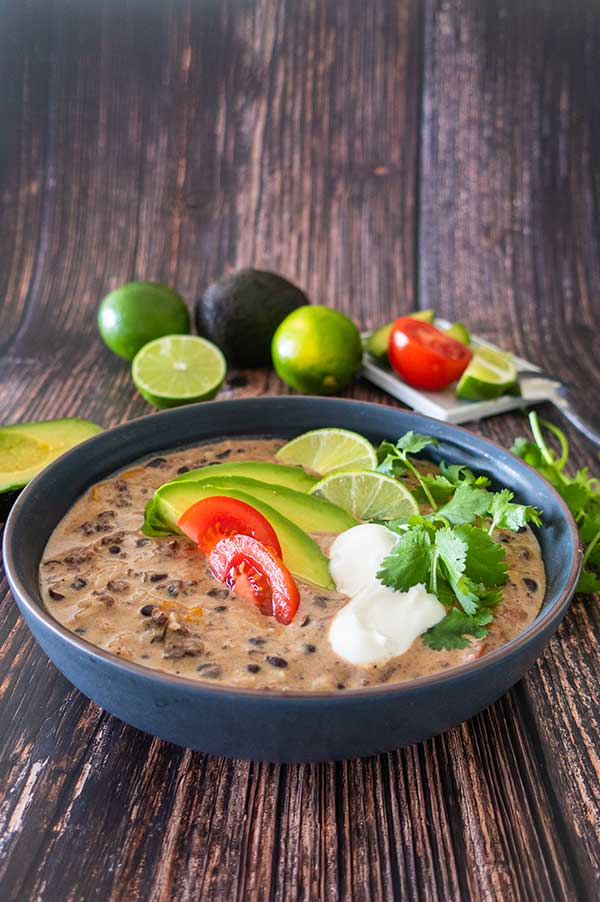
553	610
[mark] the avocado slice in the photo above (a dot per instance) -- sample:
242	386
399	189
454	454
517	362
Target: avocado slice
274	474
241	312
309	512
26	448
300	553
377	342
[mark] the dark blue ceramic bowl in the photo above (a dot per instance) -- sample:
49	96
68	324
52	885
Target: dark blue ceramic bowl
274	726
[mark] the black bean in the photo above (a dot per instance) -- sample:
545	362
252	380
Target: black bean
237	382
220	608
218	593
175	588
115	549
209	670
141	542
79	583
340	686
183	470
57	596
156	462
146	611
252	668
144	657
530	584
257	640
305	621
156	577
80	630
223	454
309	648
276	661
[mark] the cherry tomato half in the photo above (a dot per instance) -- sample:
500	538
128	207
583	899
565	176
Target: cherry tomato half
425	357
211	519
257	574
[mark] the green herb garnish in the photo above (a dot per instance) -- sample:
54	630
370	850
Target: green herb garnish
459	564
580	492
394	459
451	550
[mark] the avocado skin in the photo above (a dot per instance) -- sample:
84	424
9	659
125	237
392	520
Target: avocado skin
241	312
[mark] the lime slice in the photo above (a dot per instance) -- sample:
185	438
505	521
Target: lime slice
459	332
367	495
326	450
178	369
490	373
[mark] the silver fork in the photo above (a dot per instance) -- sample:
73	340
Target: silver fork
562	398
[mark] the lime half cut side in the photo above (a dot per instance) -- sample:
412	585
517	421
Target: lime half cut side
178	369
490	373
326	450
367	495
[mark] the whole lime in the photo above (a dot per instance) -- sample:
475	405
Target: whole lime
138	312
317	350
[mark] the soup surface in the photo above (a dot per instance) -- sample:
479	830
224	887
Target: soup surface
155	602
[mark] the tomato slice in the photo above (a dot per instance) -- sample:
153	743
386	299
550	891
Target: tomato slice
255	572
211	519
424	356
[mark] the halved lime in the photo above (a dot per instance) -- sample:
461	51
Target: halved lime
327	450
367	495
178	369
490	373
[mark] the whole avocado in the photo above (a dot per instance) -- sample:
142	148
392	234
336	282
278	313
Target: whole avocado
241	312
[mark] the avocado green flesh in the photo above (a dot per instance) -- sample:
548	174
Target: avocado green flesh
300	553
378	342
25	449
307	511
275	474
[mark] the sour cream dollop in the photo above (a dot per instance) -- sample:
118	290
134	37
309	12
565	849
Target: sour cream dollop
377	623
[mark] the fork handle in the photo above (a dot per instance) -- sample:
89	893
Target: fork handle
585	426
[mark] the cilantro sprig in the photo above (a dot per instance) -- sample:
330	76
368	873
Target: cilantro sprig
581	493
461	563
451	550
393	459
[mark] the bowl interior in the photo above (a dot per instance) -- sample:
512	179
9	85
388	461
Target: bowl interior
45	501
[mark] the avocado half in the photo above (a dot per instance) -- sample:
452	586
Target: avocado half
26	448
241	312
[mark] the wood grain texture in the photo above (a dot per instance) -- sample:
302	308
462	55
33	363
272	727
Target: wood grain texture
384	154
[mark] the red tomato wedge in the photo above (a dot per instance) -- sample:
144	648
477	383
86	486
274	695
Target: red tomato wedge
424	356
255	572
212	519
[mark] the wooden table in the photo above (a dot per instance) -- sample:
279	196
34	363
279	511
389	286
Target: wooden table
384	155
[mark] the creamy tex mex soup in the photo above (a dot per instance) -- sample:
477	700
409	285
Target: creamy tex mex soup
454	573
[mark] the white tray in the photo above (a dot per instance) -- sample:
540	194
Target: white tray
444	405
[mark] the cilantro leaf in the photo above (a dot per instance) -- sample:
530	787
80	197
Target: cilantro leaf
409	563
412	442
439	487
589	583
466	505
452	631
458	474
485	559
506	515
